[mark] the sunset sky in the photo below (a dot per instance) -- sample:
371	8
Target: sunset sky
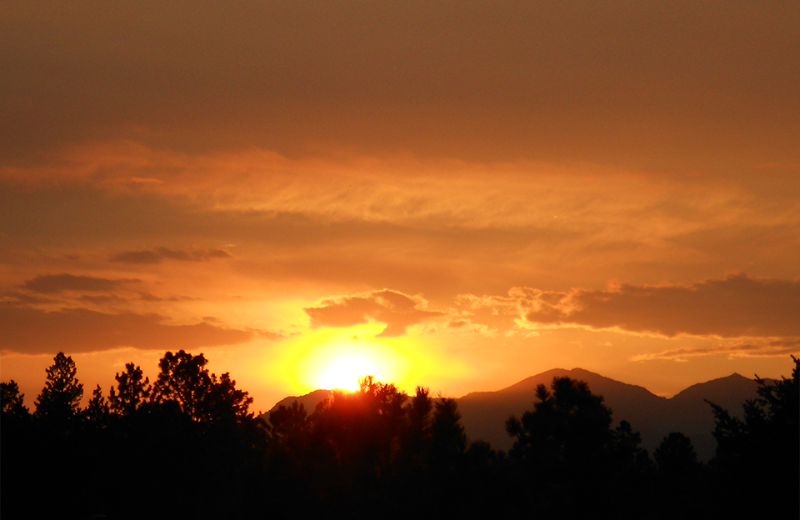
453	194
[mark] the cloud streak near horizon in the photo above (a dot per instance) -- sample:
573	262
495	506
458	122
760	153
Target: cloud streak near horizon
764	348
736	306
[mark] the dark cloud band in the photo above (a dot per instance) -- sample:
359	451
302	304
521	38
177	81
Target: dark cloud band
736	306
32	331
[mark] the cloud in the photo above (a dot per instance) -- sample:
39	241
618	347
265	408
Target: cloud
396	309
538	77
32	331
155	256
22	298
756	348
736	306
55	283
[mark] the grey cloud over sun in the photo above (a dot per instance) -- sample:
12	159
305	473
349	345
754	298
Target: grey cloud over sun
155	256
32	331
56	283
734	307
397	310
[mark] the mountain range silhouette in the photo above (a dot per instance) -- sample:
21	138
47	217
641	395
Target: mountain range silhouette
484	414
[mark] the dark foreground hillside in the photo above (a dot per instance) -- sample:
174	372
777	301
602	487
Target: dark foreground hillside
186	446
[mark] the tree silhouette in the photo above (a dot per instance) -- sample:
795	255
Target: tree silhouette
287	425
192	449
363	427
675	455
60	399
568	427
570	462
97	411
628	455
185	380
133	389
13	407
419	410
770	424
17	448
225	402
448	440
415	446
765	443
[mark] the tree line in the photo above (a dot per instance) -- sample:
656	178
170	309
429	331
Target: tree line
187	445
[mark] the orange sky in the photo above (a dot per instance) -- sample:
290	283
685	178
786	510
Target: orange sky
456	194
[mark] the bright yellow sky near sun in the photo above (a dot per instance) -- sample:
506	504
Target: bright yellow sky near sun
330	358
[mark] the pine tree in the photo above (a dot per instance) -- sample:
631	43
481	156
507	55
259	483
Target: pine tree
12	400
185	380
569	426
97	411
675	455
768	435
133	389
448	440
61	396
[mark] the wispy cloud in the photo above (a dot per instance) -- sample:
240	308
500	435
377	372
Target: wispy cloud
56	283
753	348
155	256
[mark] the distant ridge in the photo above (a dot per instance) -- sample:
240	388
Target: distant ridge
484	414
309	401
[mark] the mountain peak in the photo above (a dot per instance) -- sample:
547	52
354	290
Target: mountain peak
529	384
719	388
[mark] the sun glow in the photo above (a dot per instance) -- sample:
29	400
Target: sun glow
345	373
335	358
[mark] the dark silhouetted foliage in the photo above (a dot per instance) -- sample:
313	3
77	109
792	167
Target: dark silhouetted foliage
59	402
569	427
185	380
627	453
448	440
675	455
133	389
286	426
97	412
12	401
192	449
770	425
571	460
416	441
764	443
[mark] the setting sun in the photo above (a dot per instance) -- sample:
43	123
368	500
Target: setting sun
345	373
335	358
